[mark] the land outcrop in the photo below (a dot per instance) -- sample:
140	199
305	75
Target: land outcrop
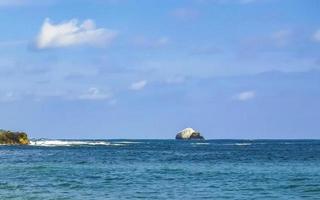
13	138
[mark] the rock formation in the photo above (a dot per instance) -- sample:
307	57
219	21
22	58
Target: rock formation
8	137
189	134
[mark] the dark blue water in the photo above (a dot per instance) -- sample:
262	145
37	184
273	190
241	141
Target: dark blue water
161	169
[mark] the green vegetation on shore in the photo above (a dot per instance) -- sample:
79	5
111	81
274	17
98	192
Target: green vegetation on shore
9	137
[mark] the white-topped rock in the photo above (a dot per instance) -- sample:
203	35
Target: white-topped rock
188	134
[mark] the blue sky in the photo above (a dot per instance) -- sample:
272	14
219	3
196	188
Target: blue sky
149	68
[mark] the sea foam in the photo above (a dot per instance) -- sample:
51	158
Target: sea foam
128	142
238	144
201	143
53	143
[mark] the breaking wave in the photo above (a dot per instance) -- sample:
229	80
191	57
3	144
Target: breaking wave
128	142
238	144
201	143
54	143
243	144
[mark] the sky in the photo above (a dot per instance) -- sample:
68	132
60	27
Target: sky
102	69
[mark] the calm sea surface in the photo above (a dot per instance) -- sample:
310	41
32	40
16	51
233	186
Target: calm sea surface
161	169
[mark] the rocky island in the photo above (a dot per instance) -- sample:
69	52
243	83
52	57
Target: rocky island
189	134
13	138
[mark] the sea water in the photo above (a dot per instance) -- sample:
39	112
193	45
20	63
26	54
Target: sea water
161	169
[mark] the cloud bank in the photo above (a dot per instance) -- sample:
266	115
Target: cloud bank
73	33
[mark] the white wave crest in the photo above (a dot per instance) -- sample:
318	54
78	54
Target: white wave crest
117	144
238	144
53	143
242	144
128	142
200	143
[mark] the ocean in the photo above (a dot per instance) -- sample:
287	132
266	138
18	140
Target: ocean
160	169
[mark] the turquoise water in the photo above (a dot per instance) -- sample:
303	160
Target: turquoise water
161	169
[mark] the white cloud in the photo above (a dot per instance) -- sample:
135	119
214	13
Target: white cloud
95	94
72	33
245	96
138	85
316	36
